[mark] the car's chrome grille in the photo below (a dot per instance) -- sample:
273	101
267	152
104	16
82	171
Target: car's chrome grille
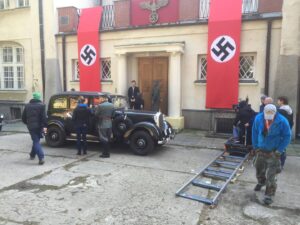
161	121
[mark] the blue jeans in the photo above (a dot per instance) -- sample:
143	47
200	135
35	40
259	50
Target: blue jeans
81	137
36	146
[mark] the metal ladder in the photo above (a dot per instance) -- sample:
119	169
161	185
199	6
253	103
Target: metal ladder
221	170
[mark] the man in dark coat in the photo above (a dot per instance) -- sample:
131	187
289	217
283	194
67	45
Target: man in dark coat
155	95
34	116
244	119
133	91
81	117
104	112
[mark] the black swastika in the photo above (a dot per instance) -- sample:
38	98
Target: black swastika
223	49
88	55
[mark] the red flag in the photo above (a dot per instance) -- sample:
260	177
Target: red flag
88	49
166	11
224	30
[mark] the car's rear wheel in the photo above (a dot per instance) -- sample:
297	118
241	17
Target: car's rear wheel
55	136
141	143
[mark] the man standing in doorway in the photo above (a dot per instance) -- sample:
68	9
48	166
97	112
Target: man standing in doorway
133	91
271	134
34	116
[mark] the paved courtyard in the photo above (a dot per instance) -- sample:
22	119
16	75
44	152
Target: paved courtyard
129	189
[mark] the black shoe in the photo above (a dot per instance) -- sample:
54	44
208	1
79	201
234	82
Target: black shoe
31	157
78	153
268	200
258	187
104	156
41	162
84	152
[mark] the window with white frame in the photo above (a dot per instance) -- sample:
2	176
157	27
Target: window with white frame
11	67
246	73
22	3
246	67
105	69
76	74
4	4
202	67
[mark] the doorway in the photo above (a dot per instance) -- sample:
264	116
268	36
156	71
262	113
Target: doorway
151	71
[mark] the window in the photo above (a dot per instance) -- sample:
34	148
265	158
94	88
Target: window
4	4
7	54
249	6
64	20
76	75
202	68
12	75
60	103
22	3
106	69
246	67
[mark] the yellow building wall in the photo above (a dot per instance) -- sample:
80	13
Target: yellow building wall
20	26
253	40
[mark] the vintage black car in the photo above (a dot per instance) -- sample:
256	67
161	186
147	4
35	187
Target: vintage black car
142	130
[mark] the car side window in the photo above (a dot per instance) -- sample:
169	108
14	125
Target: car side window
73	102
60	103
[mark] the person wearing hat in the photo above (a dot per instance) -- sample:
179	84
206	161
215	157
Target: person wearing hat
271	135
34	116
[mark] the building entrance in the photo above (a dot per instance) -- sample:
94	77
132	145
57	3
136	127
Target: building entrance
153	71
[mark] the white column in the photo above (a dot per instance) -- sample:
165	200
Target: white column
174	95
122	75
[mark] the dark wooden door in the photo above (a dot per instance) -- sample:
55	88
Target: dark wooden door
150	70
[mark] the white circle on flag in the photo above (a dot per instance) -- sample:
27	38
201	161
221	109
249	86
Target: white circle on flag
88	55
223	49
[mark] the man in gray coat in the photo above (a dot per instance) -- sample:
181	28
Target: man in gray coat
104	113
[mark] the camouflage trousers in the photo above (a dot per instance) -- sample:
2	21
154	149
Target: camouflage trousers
267	167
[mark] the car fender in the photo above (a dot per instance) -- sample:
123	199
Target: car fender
150	127
56	123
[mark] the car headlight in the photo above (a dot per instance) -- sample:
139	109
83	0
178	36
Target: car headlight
1	116
156	119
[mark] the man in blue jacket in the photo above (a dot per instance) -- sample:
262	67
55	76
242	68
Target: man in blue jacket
271	134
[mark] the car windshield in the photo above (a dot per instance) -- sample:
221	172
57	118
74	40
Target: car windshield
119	101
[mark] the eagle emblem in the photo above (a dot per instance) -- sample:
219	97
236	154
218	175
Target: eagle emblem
154	6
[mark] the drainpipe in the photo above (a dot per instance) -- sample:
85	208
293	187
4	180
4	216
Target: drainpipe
268	51
42	44
64	62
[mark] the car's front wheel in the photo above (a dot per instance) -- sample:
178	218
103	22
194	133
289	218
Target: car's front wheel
141	142
55	136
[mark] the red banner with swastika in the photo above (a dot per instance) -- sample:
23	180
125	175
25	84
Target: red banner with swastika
88	49
224	31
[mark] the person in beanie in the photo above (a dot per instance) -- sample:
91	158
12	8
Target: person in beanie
104	113
271	134
81	117
34	116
